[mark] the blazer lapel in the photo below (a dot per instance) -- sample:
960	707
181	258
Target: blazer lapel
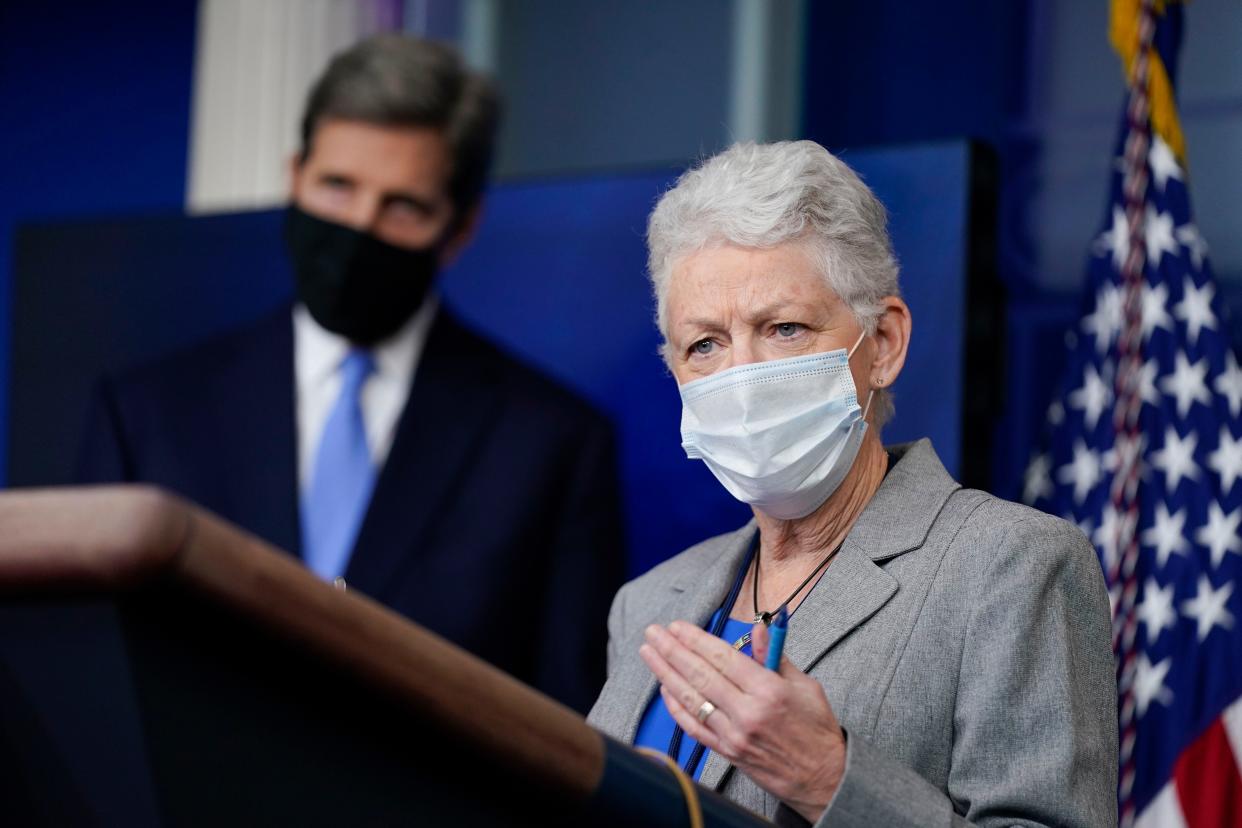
253	413
851	591
855	587
451	404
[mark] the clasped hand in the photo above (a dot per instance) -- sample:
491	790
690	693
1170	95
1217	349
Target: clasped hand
778	728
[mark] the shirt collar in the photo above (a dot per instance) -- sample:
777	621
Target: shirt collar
321	351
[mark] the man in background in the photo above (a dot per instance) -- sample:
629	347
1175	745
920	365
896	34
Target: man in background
366	429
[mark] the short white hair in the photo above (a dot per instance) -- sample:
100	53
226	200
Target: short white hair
765	195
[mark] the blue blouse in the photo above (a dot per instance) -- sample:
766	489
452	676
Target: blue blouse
656	728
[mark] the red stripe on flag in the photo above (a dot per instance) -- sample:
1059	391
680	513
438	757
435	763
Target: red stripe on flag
1209	787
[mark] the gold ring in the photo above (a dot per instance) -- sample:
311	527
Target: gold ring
705	709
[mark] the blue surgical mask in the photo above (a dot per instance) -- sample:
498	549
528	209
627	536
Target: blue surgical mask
779	435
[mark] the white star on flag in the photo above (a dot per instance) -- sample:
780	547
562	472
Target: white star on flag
1166	535
1116	239
1158	229
1208	607
1155	312
1220	533
1149	683
1229	384
1083	471
1105	321
1163	163
1195	309
1177	458
1147	382
1093	397
1186	383
1226	460
1188	235
1037	483
1105	536
1156	613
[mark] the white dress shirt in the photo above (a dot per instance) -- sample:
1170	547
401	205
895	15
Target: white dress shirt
317	358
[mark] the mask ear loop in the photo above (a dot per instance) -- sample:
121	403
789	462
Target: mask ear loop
867	407
871	392
857	342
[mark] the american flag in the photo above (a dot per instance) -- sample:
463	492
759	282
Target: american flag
1143	451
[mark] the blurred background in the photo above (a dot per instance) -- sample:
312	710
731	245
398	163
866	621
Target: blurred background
121	118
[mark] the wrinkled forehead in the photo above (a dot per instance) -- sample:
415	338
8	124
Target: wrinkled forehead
747	281
788	267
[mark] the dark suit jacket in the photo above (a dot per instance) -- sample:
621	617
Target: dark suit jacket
495	520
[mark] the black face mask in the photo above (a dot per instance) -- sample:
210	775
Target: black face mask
352	283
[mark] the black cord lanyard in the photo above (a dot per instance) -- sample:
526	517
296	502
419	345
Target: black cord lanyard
722	617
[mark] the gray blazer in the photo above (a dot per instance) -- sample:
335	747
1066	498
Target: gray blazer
963	641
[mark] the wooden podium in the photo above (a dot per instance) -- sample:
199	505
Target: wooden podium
159	666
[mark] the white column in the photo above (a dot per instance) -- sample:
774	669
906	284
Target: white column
765	88
479	34
254	64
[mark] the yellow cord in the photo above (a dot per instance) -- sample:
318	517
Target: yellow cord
1124	34
688	789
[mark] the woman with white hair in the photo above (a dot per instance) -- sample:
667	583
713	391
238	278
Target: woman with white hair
948	655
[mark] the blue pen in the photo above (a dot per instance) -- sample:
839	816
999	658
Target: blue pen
776	638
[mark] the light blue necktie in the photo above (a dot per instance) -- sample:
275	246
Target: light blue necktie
342	478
